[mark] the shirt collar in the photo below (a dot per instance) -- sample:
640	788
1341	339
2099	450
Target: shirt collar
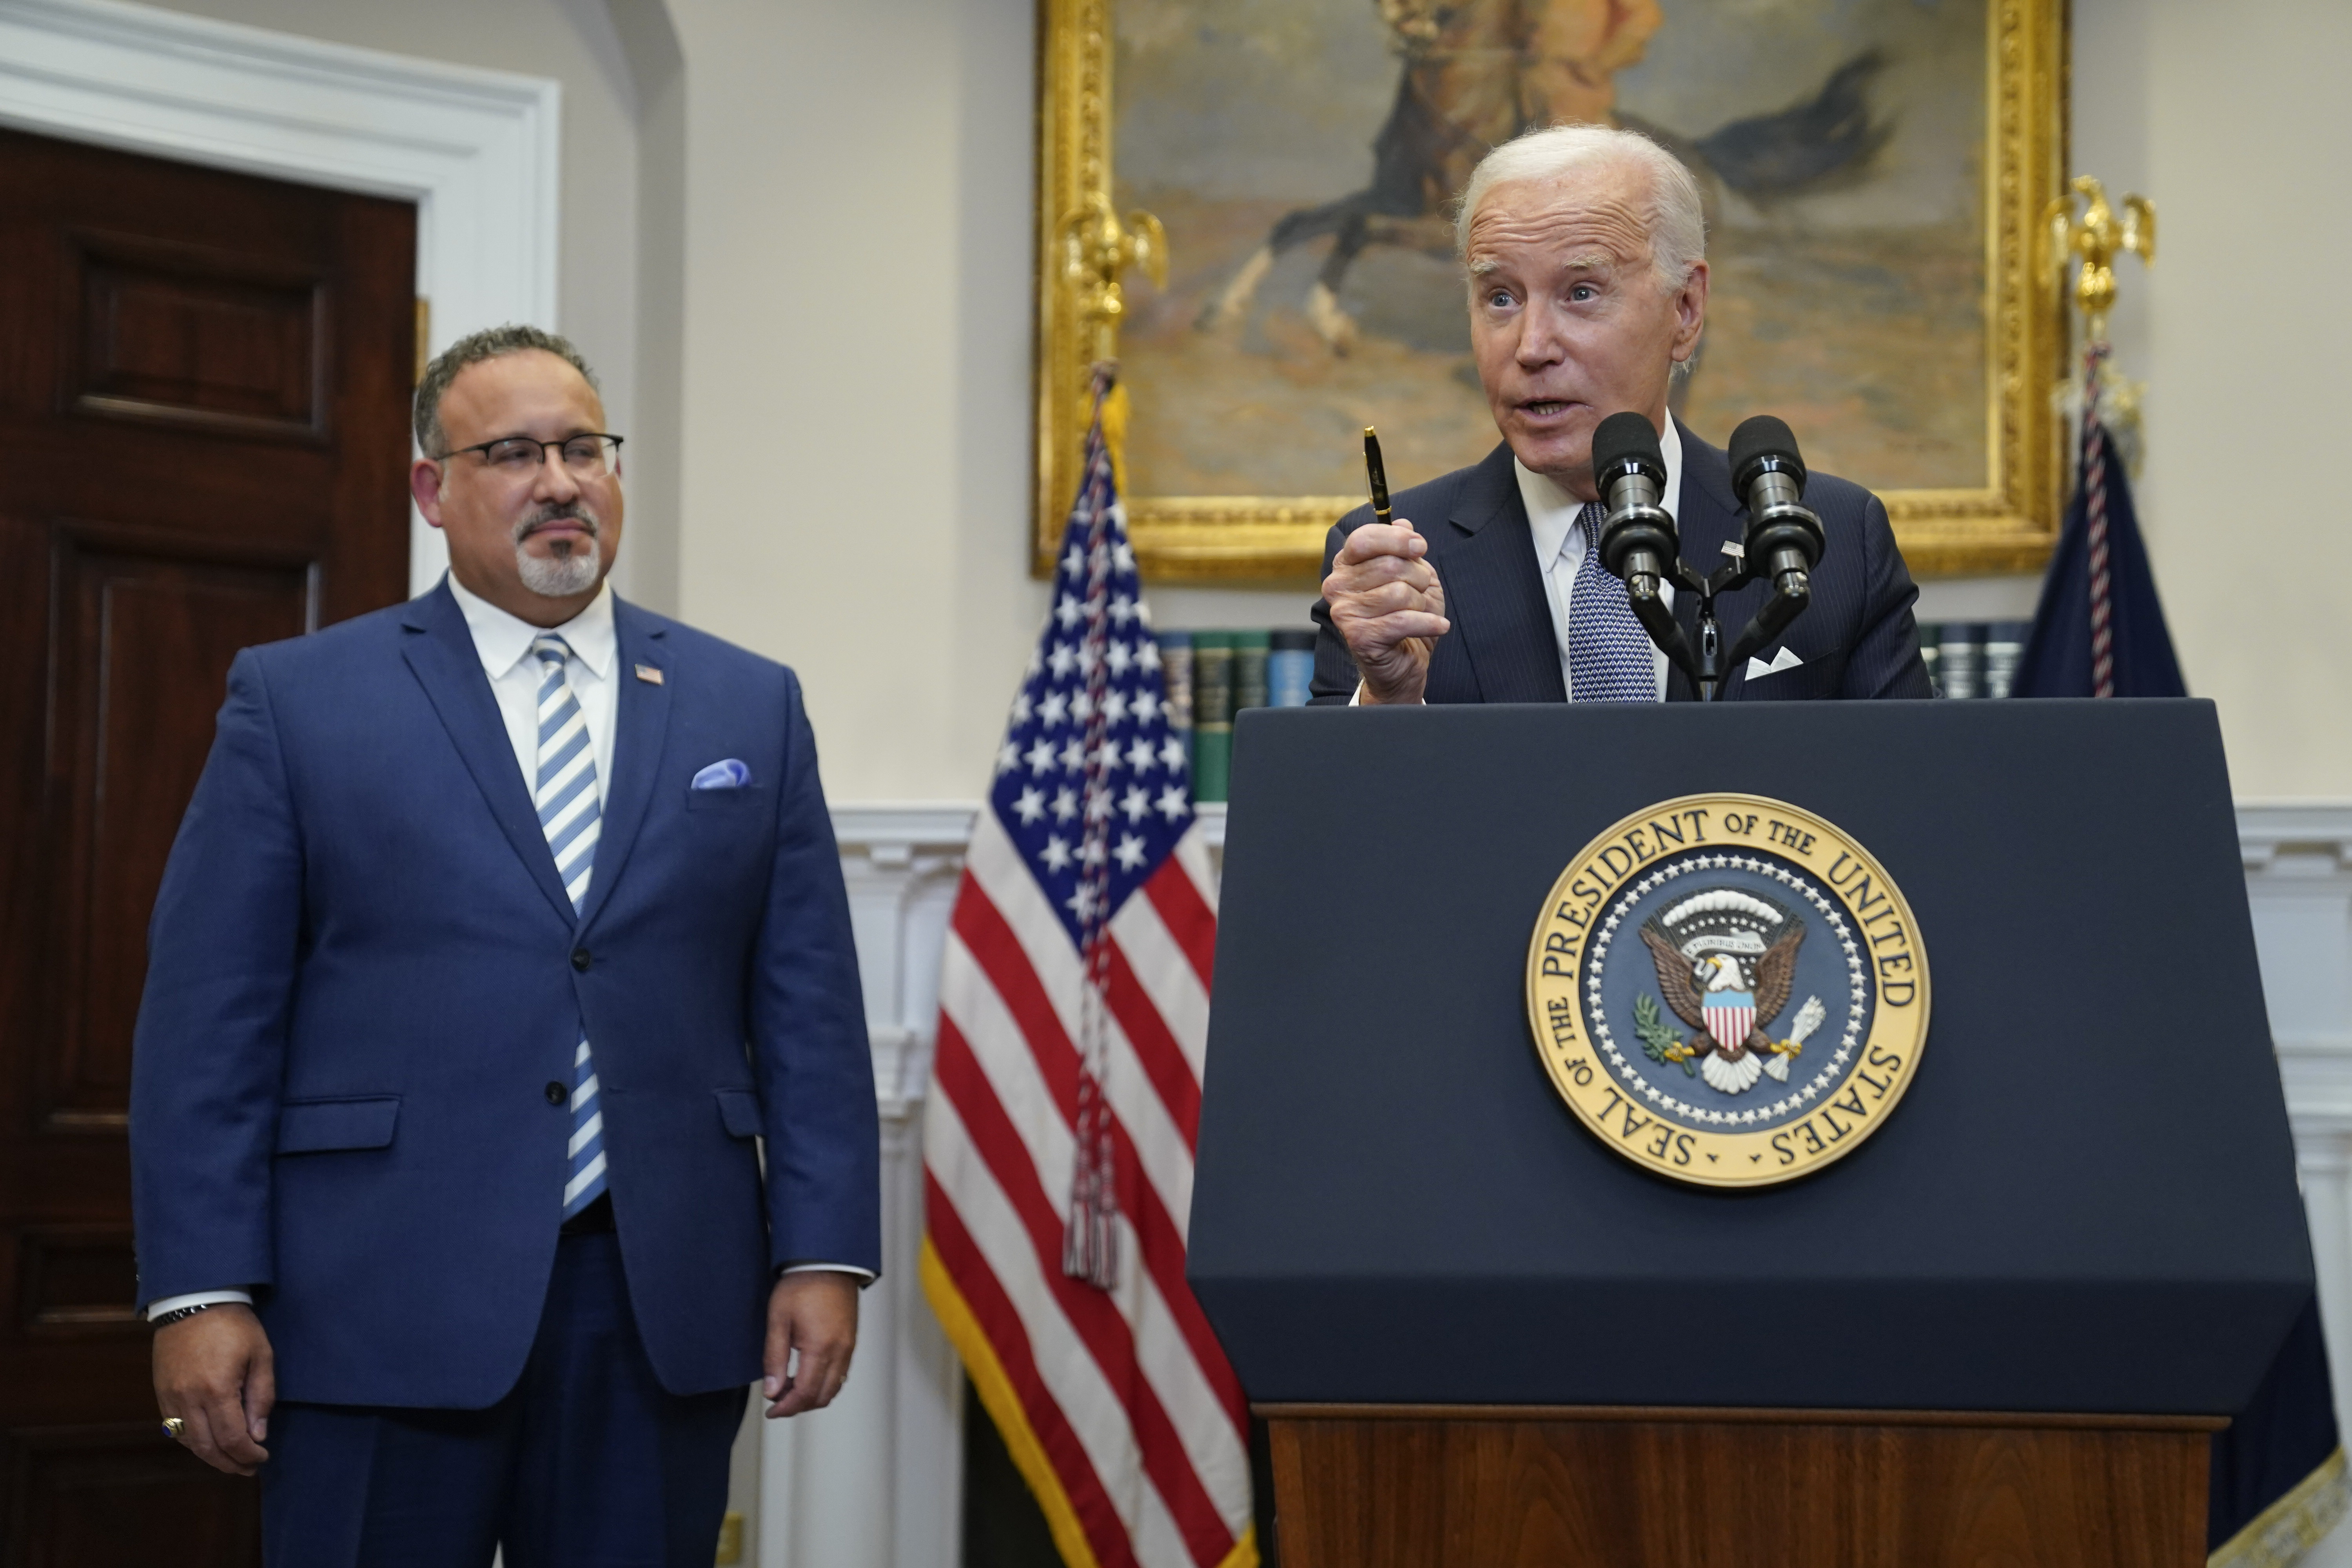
502	640
1552	512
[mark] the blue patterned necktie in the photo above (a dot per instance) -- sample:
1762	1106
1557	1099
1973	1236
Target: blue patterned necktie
565	793
1609	657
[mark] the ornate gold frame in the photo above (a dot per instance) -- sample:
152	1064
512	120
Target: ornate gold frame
2008	525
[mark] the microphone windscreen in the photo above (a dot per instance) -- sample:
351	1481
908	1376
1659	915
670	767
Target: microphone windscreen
1756	439
1627	436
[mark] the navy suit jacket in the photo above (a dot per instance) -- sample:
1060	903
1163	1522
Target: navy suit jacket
1857	637
364	980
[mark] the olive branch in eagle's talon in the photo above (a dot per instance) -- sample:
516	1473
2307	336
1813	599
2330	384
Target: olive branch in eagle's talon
1660	1043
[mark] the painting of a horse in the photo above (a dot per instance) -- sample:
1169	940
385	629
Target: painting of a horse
1305	155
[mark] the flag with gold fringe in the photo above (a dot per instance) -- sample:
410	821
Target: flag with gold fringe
2278	1480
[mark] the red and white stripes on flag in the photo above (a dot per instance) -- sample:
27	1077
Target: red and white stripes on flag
1078	961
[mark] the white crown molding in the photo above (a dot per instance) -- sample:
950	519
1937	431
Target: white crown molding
478	151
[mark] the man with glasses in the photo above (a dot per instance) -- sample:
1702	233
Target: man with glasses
503	926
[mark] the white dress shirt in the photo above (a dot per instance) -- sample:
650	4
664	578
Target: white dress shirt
1560	546
503	643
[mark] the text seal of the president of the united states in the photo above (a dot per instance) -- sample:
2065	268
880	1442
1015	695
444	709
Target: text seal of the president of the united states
1728	989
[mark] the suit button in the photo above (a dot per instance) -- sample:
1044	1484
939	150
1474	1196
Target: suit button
556	1093
580	959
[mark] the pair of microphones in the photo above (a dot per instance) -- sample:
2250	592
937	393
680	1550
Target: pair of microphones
1781	545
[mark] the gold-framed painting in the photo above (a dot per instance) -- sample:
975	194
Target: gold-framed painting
1874	171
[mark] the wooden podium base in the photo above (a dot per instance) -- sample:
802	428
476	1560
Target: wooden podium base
1361	1486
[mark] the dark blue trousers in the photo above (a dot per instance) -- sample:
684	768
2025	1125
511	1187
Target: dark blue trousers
588	1463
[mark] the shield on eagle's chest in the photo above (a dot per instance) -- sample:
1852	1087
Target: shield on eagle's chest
1729	1016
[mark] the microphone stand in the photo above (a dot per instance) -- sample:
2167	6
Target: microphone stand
1638	543
1708	665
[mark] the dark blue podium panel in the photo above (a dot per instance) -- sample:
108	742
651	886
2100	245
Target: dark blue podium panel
2087	1201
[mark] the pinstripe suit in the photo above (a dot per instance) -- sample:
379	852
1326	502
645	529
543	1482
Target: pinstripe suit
1857	639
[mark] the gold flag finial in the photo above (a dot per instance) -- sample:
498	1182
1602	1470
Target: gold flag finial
2098	237
1097	251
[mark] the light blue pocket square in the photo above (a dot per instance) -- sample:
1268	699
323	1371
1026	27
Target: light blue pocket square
729	774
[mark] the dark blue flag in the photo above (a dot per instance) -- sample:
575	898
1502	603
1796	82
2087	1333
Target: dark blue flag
2099	631
2278	1480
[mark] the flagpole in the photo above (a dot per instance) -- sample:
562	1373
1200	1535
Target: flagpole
1090	1239
2098	238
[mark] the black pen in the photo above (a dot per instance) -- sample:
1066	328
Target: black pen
1378	475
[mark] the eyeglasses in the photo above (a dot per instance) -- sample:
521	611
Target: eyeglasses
586	456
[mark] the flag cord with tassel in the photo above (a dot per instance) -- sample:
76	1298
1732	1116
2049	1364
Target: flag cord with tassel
2095	518
1090	1236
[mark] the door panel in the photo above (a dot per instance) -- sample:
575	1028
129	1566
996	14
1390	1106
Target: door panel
223	342
140	642
105	1494
203	407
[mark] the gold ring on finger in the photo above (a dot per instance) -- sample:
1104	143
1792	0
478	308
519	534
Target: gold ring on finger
174	1428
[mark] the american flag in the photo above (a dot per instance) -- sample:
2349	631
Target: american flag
1066	1092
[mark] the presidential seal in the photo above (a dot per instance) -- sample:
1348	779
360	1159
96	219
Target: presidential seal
1728	989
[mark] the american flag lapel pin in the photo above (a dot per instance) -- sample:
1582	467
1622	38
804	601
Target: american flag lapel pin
649	675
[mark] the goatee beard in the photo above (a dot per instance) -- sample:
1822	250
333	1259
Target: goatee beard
565	575
571	569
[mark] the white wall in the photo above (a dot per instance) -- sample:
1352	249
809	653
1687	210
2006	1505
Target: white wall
2234	120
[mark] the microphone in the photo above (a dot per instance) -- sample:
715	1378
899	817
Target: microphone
1638	542
1784	538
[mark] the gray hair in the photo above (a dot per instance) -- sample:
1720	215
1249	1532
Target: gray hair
494	343
1677	221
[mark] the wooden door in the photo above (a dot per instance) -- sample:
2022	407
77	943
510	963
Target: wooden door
204	403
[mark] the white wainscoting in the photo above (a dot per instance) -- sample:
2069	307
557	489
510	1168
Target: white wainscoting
876	1482
2298	862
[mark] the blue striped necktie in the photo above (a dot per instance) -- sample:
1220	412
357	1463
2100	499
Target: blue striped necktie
1610	657
565	793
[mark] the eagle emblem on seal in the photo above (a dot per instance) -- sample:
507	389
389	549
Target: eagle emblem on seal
1726	963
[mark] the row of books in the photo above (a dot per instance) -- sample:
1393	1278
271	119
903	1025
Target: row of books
1212	675
1972	658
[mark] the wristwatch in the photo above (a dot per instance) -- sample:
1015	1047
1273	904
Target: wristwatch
176	1313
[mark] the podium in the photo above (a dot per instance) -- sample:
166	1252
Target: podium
2002	1329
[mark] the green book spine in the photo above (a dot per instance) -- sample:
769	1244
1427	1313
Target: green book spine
1249	669
1212	714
